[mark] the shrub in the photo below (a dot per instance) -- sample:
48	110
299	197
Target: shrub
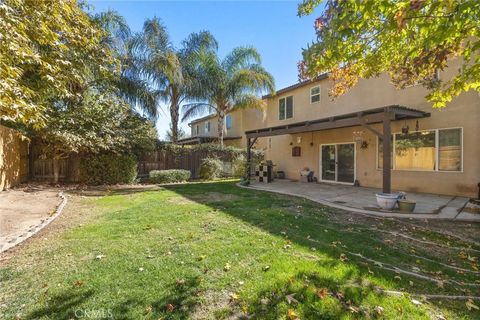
210	168
108	169
239	167
169	176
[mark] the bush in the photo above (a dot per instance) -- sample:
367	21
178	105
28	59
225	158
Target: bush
239	167
108	169
210	168
169	176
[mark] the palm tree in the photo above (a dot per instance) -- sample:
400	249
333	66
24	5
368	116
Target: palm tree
170	71
129	83
229	84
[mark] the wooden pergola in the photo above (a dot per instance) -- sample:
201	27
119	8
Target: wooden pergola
364	118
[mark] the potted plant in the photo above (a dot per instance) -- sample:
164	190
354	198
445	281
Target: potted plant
405	205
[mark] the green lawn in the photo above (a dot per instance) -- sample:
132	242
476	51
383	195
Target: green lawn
215	250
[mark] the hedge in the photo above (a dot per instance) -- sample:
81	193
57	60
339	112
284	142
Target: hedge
169	176
210	168
108	169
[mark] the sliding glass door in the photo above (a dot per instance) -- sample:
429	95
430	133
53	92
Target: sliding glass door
338	162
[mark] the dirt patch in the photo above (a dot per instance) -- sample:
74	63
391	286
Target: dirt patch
23	208
215	197
180	200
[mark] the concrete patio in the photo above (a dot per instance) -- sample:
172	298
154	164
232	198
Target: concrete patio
362	200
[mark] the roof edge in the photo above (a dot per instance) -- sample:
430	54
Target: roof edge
297	85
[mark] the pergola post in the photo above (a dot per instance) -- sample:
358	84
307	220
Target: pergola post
249	159
387	146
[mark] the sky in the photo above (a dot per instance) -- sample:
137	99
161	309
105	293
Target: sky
272	27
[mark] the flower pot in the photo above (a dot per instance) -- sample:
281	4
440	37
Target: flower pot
387	200
406	205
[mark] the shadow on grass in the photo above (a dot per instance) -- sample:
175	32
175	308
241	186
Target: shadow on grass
66	305
179	304
72	304
282	216
316	297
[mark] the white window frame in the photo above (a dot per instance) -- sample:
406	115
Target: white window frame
293	108
207	126
318	94
197	127
437	151
226	122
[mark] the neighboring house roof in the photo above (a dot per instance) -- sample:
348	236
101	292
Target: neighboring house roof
210	116
296	85
283	90
203	139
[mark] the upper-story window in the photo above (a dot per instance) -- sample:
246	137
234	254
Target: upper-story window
315	94
285	108
228	121
207	126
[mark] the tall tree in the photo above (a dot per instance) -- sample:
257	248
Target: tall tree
409	39
101	122
129	81
170	71
44	48
229	84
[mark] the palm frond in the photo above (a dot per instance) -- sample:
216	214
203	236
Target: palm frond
196	109
254	79
239	58
248	101
138	93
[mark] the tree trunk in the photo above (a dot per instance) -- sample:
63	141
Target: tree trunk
174	120
221	117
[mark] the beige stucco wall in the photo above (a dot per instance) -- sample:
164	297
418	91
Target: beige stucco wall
13	158
463	111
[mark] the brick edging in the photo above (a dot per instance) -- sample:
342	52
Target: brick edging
35	229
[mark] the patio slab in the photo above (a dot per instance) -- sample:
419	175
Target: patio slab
362	200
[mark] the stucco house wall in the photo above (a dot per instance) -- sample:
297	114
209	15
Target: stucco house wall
462	112
13	158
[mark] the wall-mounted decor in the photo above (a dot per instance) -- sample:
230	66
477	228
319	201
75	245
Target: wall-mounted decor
296	151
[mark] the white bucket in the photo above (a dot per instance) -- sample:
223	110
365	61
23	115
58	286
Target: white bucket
387	200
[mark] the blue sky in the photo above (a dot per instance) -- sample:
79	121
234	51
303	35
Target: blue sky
270	26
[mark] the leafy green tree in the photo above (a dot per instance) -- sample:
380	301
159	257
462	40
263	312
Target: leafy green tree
44	48
170	71
101	123
229	84
409	39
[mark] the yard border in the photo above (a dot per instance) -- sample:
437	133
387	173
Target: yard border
37	228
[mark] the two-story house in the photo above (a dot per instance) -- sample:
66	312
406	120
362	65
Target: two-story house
205	129
341	140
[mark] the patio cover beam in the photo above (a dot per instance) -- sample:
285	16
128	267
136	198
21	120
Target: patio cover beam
340	121
384	115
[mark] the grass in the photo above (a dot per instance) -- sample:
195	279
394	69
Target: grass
214	250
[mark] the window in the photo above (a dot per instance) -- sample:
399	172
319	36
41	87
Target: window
315	94
228	121
285	108
450	150
428	150
207	126
415	151
197	127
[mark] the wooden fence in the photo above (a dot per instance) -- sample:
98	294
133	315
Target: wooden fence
187	159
